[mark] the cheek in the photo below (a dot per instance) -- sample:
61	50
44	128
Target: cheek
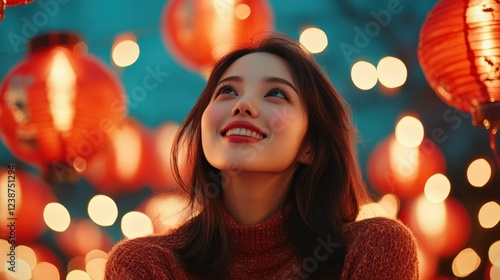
211	120
284	119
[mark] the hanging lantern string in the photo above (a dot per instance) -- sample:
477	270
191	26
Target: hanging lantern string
493	131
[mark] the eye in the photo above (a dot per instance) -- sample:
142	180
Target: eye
278	92
224	89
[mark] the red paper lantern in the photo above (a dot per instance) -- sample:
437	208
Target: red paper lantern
198	32
122	166
17	2
160	175
440	228
58	105
394	168
31	197
81	237
459	51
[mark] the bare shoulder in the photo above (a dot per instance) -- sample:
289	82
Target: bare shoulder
380	248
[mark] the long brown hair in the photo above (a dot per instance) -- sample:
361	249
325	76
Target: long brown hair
323	194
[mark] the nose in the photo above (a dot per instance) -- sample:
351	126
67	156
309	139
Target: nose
245	106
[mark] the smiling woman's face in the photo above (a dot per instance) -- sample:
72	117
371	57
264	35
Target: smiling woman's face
255	120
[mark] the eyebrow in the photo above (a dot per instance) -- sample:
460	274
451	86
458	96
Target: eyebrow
267	79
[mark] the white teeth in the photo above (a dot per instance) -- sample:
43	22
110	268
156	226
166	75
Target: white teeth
244	132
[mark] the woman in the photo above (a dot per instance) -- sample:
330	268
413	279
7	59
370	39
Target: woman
274	169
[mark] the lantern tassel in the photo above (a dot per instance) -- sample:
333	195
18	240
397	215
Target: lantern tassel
493	132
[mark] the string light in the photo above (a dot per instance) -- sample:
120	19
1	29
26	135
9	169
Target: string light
391	72
364	75
27	254
125	51
102	210
390	204
22	271
489	214
314	39
136	224
45	270
56	216
466	262
494	253
95	268
495	273
437	188
78	275
409	132
242	11
479	172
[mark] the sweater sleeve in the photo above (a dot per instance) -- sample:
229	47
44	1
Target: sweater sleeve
140	258
380	248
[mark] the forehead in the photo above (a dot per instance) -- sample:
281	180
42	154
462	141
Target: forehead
255	66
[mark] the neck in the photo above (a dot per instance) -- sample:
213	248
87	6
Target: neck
251	197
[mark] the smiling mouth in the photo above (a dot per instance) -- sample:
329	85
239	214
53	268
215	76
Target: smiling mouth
243	132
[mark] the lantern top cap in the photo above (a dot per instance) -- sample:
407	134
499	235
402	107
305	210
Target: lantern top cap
68	39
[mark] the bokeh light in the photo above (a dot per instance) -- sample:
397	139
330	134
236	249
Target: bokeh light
95	254
167	212
78	275
495	273
431	217
390	204
22	270
364	75
127	139
489	214
409	132
479	172
126	51
437	188
136	224
371	210
102	210
56	216
391	72
76	263
4	247
95	268
81	237
314	39
26	254
466	262
44	271
494	253
242	11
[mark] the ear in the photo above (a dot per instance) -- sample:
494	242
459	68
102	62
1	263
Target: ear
305	155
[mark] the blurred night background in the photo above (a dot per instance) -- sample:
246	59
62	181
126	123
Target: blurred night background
455	219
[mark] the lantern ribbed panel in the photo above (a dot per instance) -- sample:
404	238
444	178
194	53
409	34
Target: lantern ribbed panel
459	52
198	32
28	122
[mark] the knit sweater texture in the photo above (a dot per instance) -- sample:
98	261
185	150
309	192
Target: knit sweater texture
377	248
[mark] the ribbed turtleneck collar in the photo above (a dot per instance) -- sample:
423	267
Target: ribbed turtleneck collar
265	236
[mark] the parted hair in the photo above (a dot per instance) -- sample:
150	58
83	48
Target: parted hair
323	195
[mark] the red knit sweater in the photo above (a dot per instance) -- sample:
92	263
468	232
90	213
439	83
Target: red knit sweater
377	248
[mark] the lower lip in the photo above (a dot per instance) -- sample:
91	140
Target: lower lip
241	139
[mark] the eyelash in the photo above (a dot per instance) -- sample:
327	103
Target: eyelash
222	87
275	88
